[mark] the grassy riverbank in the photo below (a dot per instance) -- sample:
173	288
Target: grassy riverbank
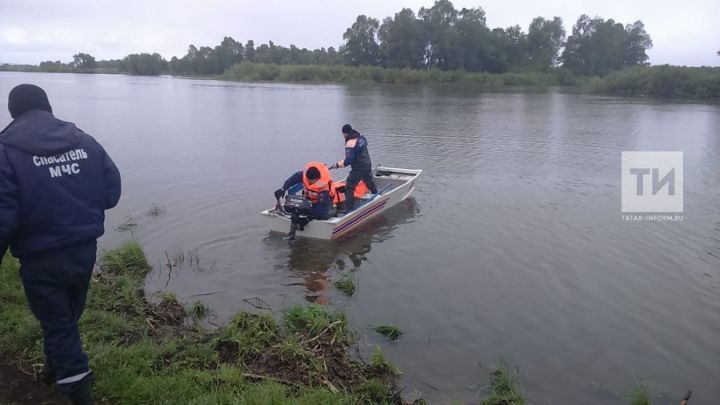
157	352
374	74
672	82
663	82
677	82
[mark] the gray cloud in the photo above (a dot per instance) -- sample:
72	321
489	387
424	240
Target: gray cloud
33	31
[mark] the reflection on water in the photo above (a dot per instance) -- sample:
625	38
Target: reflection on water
313	262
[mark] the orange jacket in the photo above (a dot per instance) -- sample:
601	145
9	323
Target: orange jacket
339	191
323	184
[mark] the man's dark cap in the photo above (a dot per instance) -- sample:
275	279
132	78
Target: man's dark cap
313	173
27	97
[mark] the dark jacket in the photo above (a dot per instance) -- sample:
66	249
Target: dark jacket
320	209
55	184
357	155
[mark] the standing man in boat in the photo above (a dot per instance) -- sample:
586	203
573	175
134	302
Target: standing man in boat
55	184
358	158
317	187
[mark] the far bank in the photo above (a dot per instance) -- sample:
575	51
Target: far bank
662	82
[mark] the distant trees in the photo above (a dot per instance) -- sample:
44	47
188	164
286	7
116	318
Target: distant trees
144	64
402	41
509	50
361	47
442	37
82	62
229	52
545	39
210	61
636	42
475	41
328	57
439	37
598	47
250	51
55	67
110	66
195	61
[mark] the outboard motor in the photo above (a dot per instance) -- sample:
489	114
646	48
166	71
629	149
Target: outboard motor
300	209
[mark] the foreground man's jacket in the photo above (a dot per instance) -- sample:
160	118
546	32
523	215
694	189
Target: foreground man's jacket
55	184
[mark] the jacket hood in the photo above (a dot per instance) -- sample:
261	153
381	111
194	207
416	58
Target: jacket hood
39	133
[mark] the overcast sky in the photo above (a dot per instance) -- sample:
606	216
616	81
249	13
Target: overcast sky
684	32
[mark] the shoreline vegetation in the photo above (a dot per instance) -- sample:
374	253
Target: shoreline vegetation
437	45
253	72
158	351
669	82
661	82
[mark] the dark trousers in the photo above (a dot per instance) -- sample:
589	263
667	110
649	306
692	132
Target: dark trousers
352	180
56	284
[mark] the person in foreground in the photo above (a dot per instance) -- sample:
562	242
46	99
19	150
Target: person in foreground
317	187
55	184
358	158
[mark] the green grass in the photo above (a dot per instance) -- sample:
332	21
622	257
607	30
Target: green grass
346	285
504	387
126	260
391	331
166	296
381	364
198	310
19	331
247	334
640	395
143	352
314	320
661	82
373	392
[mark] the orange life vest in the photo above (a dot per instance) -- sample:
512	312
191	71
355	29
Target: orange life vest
339	190
324	183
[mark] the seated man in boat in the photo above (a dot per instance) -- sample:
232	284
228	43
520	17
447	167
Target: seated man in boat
317	187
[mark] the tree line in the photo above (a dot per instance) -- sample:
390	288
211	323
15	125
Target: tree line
439	37
442	37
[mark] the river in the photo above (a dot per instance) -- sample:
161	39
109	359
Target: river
513	246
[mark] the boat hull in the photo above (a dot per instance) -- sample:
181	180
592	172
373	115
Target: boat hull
398	184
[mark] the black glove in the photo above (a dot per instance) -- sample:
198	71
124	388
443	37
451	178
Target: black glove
279	193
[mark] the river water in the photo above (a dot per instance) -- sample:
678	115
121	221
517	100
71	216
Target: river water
512	248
